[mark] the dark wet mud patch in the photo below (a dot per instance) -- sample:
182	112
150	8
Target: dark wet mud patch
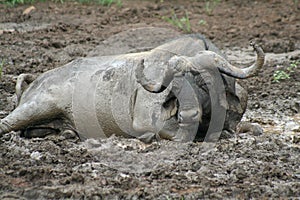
242	167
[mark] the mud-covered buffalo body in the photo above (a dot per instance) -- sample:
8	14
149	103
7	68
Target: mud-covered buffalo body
162	93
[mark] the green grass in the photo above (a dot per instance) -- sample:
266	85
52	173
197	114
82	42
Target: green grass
283	74
182	23
202	22
110	2
210	5
15	2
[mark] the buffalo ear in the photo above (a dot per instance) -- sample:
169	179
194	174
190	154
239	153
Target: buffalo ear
170	106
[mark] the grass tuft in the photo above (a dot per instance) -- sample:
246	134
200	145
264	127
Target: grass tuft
182	23
210	5
15	2
284	74
109	2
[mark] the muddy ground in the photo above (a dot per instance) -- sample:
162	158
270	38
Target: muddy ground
242	167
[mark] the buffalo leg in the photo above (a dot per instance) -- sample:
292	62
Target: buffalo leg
28	114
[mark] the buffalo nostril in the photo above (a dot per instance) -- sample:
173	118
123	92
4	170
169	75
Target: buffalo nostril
188	116
195	114
180	118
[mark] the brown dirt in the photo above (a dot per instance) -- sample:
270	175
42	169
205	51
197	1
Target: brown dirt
59	167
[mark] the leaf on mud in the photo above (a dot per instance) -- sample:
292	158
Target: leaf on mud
28	10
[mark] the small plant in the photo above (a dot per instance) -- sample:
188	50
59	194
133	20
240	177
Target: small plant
210	5
182	23
280	75
202	22
109	2
15	2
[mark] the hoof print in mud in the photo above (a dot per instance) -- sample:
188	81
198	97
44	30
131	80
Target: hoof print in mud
183	90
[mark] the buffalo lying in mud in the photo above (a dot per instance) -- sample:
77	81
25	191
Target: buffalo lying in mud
182	90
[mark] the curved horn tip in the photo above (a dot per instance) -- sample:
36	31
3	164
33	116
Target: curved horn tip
252	43
255	46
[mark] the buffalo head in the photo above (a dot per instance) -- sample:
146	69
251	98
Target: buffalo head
195	84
